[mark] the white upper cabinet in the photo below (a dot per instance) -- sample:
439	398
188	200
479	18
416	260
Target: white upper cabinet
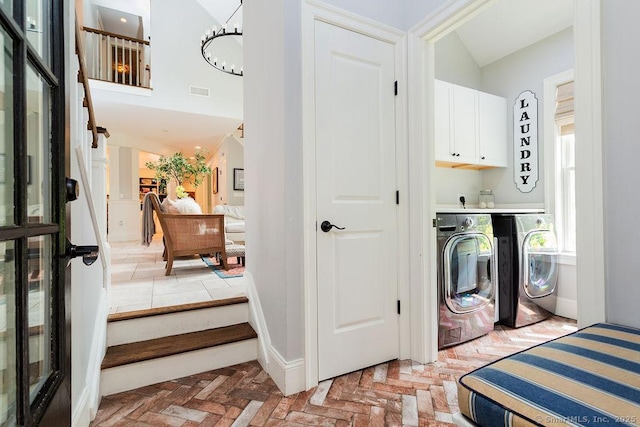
492	111
470	127
465	124
443	122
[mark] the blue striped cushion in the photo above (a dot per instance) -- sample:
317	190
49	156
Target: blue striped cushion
590	377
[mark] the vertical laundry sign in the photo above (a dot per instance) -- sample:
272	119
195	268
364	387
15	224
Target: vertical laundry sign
525	138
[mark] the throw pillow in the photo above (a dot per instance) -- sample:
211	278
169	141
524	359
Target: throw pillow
168	206
187	206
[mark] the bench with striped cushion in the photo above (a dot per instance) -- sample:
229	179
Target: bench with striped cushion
589	377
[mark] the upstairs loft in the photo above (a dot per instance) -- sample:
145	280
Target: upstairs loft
117	58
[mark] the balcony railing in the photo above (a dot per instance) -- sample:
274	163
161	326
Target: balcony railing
117	59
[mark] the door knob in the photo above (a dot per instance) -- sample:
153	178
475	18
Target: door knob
72	189
88	253
326	226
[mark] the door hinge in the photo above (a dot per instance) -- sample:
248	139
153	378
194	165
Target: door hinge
395	88
434	222
397	197
398	306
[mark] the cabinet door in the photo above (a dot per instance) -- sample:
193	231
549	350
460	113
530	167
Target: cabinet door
442	124
465	124
493	130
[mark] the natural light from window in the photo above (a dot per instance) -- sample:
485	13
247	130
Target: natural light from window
566	184
564	171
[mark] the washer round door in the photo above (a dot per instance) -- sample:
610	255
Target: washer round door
540	263
467	274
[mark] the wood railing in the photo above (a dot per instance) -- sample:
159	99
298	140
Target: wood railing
117	59
82	78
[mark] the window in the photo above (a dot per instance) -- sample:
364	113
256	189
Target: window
565	168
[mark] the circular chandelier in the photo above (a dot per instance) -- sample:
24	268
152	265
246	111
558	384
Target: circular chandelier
211	39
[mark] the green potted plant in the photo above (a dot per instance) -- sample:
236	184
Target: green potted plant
181	168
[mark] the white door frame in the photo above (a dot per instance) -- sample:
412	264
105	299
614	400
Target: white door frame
589	197
315	11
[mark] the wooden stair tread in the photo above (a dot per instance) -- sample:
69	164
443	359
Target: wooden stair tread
161	347
128	315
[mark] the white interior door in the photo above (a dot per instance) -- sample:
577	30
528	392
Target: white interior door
356	186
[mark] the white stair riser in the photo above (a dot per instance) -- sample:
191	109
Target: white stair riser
147	328
140	374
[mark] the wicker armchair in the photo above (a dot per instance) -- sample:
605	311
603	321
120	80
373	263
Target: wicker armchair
188	234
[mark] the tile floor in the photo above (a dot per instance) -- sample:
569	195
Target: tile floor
138	281
396	393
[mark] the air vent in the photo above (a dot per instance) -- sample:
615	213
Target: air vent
198	91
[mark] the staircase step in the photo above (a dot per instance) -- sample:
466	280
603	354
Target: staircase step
129	366
160	347
143	325
128	315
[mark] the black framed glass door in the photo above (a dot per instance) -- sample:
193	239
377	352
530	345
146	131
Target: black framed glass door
34	334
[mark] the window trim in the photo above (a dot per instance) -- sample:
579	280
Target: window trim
550	153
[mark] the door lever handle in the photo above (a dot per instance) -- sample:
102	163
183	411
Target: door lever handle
88	253
326	226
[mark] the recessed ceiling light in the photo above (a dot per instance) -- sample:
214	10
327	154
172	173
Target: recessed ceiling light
198	147
123	19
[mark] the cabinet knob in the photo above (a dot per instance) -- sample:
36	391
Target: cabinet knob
458	155
482	157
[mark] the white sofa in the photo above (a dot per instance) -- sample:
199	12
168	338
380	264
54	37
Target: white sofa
233	221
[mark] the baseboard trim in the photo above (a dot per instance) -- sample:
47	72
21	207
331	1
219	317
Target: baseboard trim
288	376
566	307
257	321
86	408
81	415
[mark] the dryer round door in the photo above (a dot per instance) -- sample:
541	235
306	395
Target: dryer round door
467	276
540	263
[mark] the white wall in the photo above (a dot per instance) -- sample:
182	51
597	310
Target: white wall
230	155
273	196
510	76
452	182
454	63
621	90
177	63
89	285
124	203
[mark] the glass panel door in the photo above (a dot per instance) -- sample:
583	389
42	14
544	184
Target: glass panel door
540	269
34	346
468	280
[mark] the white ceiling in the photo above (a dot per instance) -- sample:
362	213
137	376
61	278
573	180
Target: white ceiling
510	25
112	21
167	127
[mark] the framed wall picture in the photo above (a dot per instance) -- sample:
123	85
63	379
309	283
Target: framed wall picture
214	183
238	179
